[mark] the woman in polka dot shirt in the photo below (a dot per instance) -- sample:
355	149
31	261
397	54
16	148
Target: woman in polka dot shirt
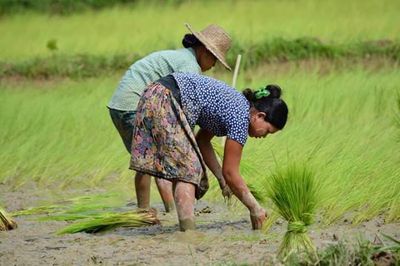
202	49
164	144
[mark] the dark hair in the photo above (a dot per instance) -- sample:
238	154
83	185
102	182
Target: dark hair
189	40
275	108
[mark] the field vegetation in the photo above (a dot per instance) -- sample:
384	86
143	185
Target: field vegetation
337	62
137	29
61	133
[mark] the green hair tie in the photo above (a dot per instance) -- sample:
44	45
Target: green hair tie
261	93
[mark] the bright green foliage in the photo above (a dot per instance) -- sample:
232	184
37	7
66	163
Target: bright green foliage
341	123
150	26
66	7
276	50
397	117
61	134
107	221
294	193
47	209
77	208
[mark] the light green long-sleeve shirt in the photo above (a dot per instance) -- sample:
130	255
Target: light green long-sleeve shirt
149	69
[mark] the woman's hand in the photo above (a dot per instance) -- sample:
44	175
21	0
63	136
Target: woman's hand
226	192
257	218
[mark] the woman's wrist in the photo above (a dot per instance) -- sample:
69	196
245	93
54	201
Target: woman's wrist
251	203
221	182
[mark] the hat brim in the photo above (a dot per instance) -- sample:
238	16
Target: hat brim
209	46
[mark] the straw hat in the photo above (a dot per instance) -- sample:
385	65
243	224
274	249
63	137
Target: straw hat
215	39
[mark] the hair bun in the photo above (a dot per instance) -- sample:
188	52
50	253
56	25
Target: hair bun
249	94
189	40
274	90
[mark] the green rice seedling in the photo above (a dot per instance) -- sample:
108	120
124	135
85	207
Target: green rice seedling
76	208
6	221
39	210
334	112
107	221
272	218
294	194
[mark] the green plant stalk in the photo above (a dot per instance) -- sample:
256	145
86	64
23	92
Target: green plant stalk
294	194
298	243
39	210
108	221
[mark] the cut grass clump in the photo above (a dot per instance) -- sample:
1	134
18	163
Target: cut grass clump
294	194
76	208
108	221
6	221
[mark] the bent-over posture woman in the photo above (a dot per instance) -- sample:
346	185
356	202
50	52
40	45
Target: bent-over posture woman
164	145
202	50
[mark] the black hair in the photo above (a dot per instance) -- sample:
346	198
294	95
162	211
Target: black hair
275	108
190	41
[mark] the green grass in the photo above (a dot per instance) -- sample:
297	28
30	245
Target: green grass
77	207
56	6
361	252
341	123
272	51
60	133
149	27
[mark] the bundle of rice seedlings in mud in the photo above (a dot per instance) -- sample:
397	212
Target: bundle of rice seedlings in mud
71	209
107	221
294	194
6	222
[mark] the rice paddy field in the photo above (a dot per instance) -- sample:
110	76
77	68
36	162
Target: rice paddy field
61	158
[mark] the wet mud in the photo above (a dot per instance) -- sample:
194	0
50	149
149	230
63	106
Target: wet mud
223	236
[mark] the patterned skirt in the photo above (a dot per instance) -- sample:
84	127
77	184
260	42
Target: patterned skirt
163	144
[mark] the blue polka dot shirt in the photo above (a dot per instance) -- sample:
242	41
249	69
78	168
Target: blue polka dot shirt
214	106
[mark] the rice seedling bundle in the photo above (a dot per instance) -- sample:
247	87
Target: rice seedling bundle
294	194
6	222
107	221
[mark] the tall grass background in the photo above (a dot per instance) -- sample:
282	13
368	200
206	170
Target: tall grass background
146	27
342	124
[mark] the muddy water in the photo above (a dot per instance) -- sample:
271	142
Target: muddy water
223	236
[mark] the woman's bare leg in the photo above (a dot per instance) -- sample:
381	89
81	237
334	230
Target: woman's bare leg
165	189
184	202
142	187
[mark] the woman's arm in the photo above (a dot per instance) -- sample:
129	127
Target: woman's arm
203	138
231	165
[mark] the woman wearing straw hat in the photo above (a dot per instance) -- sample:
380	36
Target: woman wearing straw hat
164	145
202	50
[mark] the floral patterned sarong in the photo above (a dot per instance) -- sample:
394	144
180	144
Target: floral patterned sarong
163	144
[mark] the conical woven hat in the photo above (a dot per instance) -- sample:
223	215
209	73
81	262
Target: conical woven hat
215	39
